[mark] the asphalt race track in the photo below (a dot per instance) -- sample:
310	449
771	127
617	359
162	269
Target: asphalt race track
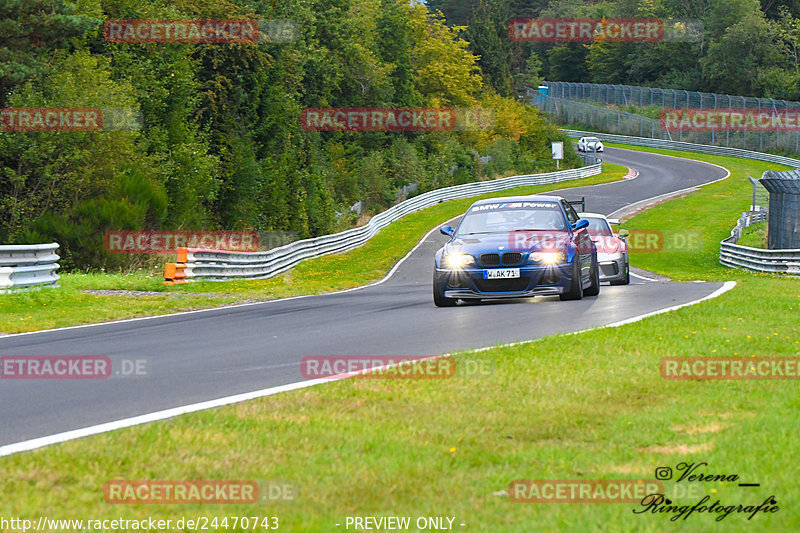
194	357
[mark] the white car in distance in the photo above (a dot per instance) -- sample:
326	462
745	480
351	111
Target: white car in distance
590	144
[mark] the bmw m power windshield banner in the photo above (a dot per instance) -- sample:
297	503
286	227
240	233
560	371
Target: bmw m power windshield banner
514	205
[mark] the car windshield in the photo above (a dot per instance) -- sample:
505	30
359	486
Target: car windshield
598	226
592	139
500	218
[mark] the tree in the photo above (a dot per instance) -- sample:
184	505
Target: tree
488	37
787	34
734	61
32	31
446	72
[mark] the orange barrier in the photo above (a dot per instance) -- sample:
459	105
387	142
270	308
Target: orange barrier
175	273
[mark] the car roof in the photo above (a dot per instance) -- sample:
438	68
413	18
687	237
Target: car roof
592	215
531	198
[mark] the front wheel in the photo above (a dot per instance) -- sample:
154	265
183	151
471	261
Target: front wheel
439	298
575	291
594	290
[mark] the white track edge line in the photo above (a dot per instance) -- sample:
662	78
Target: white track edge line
726	286
57	438
169	413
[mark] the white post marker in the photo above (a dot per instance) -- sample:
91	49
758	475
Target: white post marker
558	152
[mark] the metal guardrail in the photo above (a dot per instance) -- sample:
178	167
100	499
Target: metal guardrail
756	259
688	147
28	265
746	220
218	265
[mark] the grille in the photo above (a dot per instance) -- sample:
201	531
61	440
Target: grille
609	269
490	259
502	285
512	258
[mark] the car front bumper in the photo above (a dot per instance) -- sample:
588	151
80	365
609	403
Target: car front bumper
612	266
534	280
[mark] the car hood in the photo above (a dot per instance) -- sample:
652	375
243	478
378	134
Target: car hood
517	241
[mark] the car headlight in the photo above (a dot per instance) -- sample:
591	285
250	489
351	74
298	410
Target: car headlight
457	260
548	258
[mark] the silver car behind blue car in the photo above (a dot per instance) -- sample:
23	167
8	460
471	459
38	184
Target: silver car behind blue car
612	249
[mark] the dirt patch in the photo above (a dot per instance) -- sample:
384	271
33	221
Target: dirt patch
104	292
695	429
684	449
630	469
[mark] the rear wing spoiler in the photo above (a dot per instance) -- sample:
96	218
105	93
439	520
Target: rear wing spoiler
576	203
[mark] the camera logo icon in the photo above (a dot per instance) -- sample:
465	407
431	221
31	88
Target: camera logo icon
663	473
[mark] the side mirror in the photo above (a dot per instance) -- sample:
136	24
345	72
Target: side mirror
623	233
447	230
582	223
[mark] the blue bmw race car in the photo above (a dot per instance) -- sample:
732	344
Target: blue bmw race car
516	247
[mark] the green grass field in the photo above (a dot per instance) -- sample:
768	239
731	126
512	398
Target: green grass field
585	406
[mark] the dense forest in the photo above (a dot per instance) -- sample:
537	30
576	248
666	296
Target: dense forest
220	143
747	47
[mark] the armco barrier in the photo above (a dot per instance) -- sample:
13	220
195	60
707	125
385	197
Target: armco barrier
759	260
28	265
688	147
218	265
756	259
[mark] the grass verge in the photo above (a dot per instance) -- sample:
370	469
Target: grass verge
587	406
754	236
71	305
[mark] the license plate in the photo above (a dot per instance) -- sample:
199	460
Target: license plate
501	273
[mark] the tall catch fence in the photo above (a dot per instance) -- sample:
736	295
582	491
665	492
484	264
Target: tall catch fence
587	104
